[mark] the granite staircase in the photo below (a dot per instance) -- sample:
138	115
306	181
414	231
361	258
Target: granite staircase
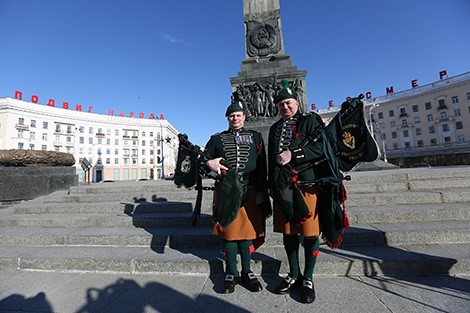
403	222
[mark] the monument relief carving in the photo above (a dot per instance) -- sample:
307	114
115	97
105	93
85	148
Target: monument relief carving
263	38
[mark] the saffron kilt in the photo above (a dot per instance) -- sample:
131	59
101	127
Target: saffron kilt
249	223
311	227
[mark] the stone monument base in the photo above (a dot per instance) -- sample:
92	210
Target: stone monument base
26	183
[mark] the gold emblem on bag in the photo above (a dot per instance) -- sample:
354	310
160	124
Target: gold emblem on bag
349	140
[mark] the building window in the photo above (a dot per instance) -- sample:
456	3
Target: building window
381	115
445	127
32	135
126	142
45	125
116	151
144	173
82	129
90	140
394	134
100	130
407	144
81	150
384	136
69	129
69	139
395	146
391	113
143	151
418	131
151	133
44	147
100	141
433	142
82	140
33	123
461	138
57	128
382	125
57	148
116	132
44	136
31	146
441	104
402	111
404	121
443	114
108	161
143	133
420	143
134	142
116	142
430	117
417	120
116	174
108	131
428	106
432	130
143	142
108	141
90	130
134	161
447	140
406	133
468	96
116	160
143	161
455	99
90	151
57	138
415	108
20	145
151	151
20	134
393	124
108	151
20	121
458	125
457	112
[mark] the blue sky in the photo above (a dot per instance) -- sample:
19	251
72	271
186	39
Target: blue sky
176	57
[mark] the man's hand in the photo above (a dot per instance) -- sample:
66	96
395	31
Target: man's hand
284	157
214	165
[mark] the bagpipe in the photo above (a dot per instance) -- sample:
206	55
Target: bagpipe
189	171
346	142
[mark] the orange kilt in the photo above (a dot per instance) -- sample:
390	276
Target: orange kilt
249	223
308	229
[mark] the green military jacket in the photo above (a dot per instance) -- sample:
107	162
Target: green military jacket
290	134
244	151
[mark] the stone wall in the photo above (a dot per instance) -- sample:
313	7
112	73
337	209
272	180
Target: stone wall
25	183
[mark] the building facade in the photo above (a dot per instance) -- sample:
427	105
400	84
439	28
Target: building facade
119	148
425	124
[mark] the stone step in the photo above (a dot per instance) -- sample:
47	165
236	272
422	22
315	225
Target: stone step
452	259
380	234
110	207
183	195
409	198
409	213
149	220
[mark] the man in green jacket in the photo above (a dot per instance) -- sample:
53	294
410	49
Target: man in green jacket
295	142
238	156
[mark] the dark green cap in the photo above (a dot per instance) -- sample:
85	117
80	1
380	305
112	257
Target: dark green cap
236	105
286	93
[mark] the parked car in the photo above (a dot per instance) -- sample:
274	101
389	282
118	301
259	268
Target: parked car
421	165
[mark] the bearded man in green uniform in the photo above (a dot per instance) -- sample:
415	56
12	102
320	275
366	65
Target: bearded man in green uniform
290	152
238	156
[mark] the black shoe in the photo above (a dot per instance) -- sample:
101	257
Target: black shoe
288	284
307	293
250	281
229	283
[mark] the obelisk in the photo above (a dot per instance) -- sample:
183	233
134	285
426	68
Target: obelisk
265	65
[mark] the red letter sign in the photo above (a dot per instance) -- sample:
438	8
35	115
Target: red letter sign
442	74
414	83
389	90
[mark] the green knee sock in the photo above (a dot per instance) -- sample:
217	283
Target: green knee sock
231	248
291	244
312	247
246	248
